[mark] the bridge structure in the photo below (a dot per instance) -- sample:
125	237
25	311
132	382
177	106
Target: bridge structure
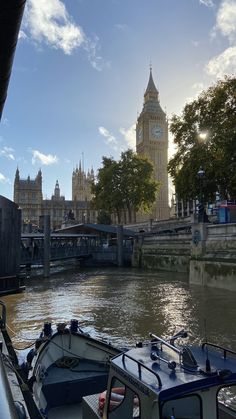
88	248
62	246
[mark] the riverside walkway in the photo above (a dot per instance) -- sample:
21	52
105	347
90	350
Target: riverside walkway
69	246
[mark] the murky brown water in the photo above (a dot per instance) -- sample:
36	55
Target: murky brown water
123	305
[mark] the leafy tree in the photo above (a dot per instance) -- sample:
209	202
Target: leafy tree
126	185
104	217
213	112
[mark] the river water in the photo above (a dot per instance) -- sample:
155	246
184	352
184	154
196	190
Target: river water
123	305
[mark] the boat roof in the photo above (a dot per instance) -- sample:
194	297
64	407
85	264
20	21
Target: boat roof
168	383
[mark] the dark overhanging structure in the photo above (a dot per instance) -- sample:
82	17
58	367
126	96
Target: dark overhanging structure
11	13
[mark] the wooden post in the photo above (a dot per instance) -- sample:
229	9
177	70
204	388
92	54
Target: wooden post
46	260
120	255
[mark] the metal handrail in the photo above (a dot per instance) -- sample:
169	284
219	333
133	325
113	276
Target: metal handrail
140	366
165	343
225	350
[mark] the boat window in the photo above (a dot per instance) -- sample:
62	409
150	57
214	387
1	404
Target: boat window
226	402
188	407
123	402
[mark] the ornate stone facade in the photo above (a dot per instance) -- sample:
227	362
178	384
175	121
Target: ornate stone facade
81	184
28	195
152	141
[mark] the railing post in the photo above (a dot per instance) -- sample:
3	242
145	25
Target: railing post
120	255
46	259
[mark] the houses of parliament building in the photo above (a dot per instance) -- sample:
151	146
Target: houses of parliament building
151	141
28	195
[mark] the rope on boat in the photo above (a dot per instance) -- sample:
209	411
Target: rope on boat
25	347
8	363
67	362
12	331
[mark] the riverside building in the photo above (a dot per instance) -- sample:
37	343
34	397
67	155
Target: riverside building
29	196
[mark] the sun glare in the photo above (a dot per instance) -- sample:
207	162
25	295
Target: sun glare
203	136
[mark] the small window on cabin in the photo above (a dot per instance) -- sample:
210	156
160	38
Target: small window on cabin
226	402
188	407
123	402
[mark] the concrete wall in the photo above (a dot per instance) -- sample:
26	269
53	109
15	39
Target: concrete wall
167	252
213	256
208	254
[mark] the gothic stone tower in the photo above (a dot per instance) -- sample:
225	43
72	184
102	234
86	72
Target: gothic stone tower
152	141
28	195
81	184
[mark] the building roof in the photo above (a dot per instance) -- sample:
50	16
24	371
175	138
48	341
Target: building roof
151	99
151	87
96	228
11	12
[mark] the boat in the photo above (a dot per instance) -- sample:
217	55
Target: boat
162	380
156	379
65	365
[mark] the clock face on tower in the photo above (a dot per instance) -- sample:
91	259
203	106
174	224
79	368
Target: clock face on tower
156	131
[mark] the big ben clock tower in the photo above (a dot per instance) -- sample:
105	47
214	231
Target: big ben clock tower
152	141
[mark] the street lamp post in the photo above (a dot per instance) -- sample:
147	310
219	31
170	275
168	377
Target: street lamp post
201	175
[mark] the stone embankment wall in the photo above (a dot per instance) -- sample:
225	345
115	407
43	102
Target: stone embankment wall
213	255
169	252
208	254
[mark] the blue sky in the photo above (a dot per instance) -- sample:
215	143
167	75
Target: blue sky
80	71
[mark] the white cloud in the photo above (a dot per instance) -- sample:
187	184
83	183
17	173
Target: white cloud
3	178
208	3
226	19
43	158
198	86
195	43
121	27
48	22
7	152
92	47
129	136
222	64
22	35
5	122
225	62
109	138
197	89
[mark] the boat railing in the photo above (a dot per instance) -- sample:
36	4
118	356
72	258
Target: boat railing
164	342
141	367
186	357
225	350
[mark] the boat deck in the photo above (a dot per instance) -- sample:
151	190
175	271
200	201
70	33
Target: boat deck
73	411
67	386
87	409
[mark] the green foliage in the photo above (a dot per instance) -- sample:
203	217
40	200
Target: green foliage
213	112
104	217
126	185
